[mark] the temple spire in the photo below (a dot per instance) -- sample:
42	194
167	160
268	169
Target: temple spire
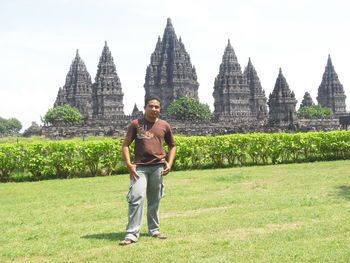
77	90
307	101
331	92
282	103
329	61
258	98
107	89
170	73
231	93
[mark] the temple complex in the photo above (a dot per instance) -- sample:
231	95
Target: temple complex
240	103
331	93
170	75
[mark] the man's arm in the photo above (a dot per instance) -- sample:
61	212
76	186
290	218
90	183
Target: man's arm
170	162
126	156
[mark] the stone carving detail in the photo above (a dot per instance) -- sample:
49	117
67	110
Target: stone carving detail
258	98
170	74
77	90
107	90
330	92
307	101
282	104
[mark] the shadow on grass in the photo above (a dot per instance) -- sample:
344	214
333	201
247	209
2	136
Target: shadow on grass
109	236
344	191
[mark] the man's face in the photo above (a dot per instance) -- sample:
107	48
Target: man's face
152	109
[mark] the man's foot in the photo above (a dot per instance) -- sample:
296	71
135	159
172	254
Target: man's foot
126	242
160	236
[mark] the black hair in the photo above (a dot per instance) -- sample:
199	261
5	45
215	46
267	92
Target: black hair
152	97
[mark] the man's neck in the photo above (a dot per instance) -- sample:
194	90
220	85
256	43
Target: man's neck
151	119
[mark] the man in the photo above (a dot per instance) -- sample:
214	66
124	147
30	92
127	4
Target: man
147	171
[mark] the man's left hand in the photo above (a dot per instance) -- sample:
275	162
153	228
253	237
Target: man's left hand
166	169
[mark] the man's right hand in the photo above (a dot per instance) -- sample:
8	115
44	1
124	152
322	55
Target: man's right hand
132	172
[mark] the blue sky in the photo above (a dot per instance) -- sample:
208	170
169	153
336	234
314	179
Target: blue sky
39	41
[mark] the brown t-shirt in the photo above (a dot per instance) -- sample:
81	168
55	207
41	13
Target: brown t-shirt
149	138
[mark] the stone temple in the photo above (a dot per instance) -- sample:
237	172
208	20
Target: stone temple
240	103
231	92
331	93
102	99
307	101
170	75
282	103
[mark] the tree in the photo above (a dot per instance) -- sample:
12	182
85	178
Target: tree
10	126
189	109
13	125
3	125
314	111
66	114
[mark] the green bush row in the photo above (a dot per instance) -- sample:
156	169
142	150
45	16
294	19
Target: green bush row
260	148
66	159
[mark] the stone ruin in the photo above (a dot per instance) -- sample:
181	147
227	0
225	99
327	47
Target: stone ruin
240	103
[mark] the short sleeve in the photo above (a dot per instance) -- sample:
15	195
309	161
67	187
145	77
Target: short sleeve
169	137
131	133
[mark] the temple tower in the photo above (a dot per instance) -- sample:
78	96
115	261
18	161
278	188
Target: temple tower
77	90
282	103
258	98
231	93
136	113
107	90
330	92
170	74
307	101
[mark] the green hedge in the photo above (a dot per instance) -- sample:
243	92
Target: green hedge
67	159
260	148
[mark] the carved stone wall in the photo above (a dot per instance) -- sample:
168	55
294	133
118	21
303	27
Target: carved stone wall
117	129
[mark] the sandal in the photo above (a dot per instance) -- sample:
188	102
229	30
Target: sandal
160	236
126	242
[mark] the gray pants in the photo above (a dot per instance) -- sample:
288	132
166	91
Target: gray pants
149	184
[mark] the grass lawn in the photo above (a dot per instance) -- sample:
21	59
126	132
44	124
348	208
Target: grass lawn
280	213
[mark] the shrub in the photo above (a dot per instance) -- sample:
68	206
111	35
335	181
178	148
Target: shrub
67	159
189	109
66	114
315	111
